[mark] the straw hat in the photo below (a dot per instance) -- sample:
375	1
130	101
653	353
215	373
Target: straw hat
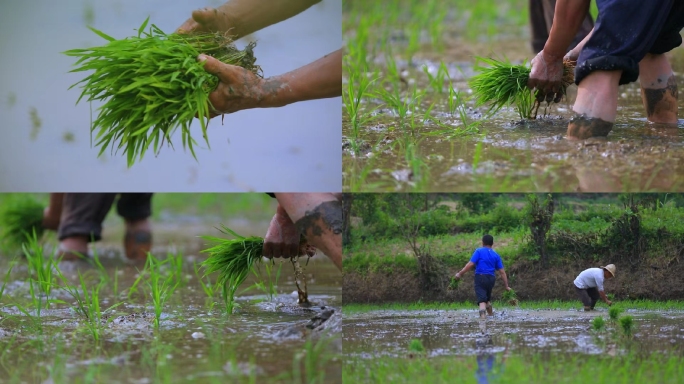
610	268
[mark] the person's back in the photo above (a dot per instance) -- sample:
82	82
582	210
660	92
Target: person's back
487	261
590	278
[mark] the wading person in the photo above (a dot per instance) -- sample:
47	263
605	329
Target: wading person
316	215
629	41
589	285
78	217
486	261
241	89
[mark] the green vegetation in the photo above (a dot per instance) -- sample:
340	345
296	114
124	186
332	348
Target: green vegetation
627	325
416	346
598	324
650	305
614	313
20	218
536	368
152	84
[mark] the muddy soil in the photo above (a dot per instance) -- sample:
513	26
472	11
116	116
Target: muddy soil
653	279
263	339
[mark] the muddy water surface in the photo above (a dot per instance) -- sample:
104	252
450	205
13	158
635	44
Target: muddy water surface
268	339
452	333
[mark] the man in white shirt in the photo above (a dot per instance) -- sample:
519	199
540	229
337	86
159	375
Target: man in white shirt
589	285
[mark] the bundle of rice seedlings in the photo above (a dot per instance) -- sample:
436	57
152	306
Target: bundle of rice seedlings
19	219
234	259
152	84
503	84
453	283
510	297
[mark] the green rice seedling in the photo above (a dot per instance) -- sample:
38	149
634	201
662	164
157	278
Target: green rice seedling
598	324
20	218
357	88
208	288
453	283
510	297
627	325
502	84
40	266
233	260
161	288
175	261
151	85
614	313
6	280
416	345
437	80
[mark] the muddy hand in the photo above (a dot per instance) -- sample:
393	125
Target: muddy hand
206	20
545	77
238	88
282	237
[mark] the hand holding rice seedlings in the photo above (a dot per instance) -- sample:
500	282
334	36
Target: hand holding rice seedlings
234	259
152	85
20	219
503	83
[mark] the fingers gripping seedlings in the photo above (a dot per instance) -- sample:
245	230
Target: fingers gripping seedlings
152	84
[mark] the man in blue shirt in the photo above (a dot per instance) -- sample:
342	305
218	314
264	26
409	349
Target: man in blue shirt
485	261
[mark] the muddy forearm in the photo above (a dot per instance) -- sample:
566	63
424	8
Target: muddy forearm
318	80
567	20
249	16
319	217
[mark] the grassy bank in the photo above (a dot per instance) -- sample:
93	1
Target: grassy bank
557	368
649	305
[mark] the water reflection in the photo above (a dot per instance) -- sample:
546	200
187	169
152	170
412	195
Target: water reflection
487	367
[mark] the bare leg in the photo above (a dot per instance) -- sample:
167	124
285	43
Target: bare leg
658	89
483	310
53	211
596	105
319	217
490	309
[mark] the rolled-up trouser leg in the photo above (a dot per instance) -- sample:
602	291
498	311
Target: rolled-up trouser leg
134	206
83	214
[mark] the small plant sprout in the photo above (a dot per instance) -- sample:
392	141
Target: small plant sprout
598	324
161	288
151	85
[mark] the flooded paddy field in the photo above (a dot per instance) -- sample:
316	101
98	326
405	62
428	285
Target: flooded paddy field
410	123
99	322
518	345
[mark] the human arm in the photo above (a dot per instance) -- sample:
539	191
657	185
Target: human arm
240	89
547	66
465	269
242	17
574	53
502	272
283	238
605	298
319	217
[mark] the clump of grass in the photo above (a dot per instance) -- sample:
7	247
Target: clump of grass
20	219
233	260
416	346
152	84
503	83
627	325
614	313
598	324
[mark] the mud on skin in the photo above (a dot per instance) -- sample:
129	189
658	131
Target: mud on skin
328	213
583	127
662	99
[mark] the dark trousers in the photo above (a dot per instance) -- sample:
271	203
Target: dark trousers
83	213
483	287
588	296
541	18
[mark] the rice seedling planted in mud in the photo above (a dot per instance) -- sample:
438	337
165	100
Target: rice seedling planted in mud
234	259
416	346
20	219
152	84
503	83
598	324
614	313
627	325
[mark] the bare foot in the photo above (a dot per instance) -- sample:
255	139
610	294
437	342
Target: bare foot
583	127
